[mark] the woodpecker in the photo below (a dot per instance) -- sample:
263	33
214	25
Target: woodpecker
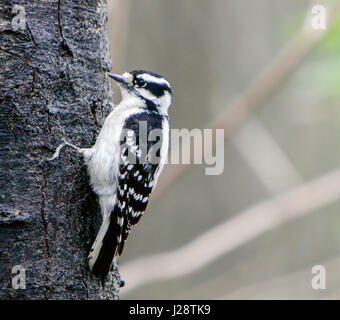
125	162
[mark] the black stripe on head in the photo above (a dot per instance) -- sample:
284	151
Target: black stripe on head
157	89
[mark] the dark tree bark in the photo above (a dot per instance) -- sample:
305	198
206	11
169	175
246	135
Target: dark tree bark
52	71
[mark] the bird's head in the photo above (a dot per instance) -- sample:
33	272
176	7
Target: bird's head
148	86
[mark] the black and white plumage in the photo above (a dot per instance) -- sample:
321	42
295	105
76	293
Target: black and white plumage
124	165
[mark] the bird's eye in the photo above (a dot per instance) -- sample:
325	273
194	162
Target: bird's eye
139	83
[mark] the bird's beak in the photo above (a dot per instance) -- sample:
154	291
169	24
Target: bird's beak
117	77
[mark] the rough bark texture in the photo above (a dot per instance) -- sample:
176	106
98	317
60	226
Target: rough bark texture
51	71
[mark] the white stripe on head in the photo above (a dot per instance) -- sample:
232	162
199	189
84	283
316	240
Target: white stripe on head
150	78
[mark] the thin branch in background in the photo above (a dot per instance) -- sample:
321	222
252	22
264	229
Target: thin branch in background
294	285
233	233
239	110
258	219
265	157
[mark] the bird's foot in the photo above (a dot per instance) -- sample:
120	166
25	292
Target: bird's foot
64	144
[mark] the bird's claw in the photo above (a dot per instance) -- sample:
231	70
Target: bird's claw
62	145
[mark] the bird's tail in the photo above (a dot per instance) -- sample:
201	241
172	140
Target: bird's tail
105	247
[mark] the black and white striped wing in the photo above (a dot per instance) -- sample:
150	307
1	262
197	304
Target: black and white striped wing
136	177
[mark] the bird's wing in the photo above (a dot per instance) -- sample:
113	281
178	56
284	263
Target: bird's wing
137	171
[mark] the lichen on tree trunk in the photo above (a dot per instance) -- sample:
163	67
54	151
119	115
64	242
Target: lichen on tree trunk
52	71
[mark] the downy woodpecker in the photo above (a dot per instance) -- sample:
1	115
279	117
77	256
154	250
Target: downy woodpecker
125	162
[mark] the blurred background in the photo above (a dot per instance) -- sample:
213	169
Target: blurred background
256	230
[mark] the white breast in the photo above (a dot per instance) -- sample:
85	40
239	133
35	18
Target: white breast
103	165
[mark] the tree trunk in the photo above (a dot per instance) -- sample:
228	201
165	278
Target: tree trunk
53	62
